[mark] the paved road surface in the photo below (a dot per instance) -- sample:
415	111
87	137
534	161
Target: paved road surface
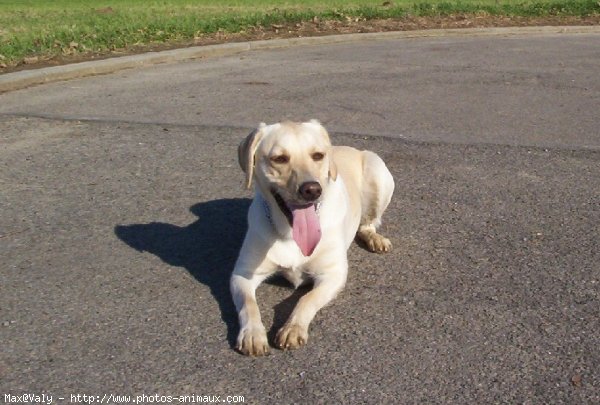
122	212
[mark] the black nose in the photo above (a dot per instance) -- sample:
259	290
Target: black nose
310	191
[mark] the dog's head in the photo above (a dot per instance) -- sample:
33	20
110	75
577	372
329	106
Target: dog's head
290	159
293	163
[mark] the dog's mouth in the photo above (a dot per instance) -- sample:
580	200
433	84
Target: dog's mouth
304	221
283	206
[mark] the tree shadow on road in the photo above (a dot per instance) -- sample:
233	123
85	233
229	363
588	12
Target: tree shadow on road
207	248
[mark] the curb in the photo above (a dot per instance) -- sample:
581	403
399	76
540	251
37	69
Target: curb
23	79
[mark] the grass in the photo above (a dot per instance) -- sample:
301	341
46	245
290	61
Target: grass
49	28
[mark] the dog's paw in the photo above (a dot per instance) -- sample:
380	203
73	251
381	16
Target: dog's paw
378	244
253	342
291	336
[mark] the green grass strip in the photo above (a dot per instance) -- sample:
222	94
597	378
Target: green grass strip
38	28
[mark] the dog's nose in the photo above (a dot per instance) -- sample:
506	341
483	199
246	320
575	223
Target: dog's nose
310	191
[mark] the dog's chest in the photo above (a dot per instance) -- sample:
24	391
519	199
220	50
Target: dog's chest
286	254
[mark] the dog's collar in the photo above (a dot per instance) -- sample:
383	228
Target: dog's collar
269	214
267	211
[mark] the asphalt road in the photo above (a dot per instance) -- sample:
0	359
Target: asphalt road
122	211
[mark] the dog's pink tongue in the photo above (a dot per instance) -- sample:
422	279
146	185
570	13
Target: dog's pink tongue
306	229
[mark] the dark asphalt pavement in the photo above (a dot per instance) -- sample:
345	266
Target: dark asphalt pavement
122	212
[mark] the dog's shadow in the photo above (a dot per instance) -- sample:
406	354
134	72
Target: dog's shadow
208	249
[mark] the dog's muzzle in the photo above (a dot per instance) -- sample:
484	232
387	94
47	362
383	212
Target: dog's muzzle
310	191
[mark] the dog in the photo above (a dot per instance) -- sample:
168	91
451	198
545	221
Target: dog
311	201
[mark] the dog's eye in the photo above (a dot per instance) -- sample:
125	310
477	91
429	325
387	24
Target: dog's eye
281	159
317	156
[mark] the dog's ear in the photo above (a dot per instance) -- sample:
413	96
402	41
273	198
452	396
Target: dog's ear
332	166
246	152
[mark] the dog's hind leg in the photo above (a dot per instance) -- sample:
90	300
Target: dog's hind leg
378	187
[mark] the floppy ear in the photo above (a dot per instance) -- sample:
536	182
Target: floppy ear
246	152
332	166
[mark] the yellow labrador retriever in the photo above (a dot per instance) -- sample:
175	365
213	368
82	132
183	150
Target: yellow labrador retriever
311	200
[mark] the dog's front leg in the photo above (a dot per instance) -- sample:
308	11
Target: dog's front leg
252	339
327	284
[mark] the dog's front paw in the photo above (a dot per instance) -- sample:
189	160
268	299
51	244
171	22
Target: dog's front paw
291	336
253	342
